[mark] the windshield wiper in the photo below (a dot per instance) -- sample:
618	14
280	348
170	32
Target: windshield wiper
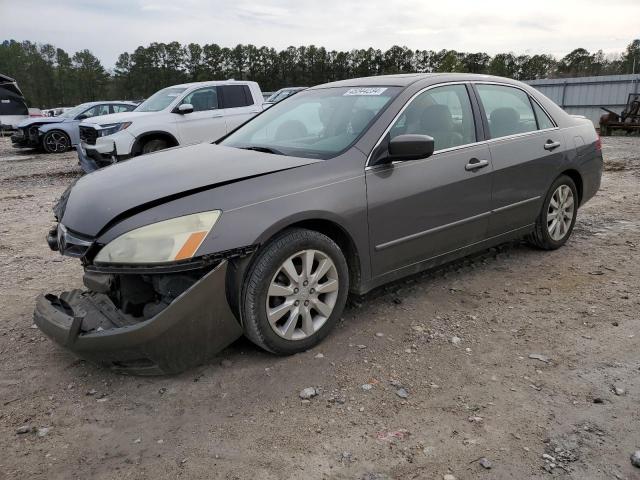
258	148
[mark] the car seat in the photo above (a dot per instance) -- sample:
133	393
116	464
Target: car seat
504	121
437	122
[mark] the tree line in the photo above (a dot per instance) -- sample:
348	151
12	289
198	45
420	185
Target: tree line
51	77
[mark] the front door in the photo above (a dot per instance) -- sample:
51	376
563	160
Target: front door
426	208
206	122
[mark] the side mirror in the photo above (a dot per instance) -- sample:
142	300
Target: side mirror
82	116
185	108
410	147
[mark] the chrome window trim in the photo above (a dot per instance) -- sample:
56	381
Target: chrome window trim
466	145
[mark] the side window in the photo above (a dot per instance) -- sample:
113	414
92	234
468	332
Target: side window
202	99
543	119
443	113
508	110
122	108
236	96
95	111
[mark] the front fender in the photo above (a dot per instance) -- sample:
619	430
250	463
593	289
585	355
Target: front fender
70	128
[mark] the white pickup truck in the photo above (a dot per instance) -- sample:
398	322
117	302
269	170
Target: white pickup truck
178	115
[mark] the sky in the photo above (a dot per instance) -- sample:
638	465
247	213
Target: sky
110	27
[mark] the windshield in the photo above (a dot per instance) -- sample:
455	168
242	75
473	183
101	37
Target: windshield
75	111
314	123
160	100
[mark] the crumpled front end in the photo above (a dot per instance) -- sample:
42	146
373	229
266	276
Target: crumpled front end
26	137
145	324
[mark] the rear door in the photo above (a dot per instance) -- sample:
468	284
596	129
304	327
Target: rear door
206	122
526	147
239	105
425	208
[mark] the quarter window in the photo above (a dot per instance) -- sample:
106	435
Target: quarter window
443	113
202	99
508	110
543	119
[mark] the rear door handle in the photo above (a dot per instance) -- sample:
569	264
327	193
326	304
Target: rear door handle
475	164
551	145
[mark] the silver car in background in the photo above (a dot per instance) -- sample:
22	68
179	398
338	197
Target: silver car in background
60	133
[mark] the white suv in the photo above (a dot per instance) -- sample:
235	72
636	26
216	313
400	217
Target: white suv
179	115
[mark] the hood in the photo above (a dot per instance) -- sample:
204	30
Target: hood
40	120
111	194
114	118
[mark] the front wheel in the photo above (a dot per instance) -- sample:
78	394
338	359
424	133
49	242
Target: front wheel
56	141
154	145
295	291
558	215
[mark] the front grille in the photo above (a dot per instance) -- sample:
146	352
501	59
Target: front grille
88	135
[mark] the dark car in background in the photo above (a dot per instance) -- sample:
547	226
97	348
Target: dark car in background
341	188
58	134
13	107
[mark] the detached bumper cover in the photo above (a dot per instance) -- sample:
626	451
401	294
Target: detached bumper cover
193	328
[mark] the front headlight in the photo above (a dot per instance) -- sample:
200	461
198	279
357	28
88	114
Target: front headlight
111	128
167	241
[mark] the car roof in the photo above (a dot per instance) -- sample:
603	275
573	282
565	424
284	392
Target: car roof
103	102
406	79
211	83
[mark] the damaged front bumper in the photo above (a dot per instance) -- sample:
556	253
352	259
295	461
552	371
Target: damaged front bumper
102	153
195	326
26	138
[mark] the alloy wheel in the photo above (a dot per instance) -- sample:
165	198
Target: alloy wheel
560	213
56	142
302	294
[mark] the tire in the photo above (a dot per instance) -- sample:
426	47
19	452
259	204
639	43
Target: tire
56	141
545	235
154	145
267	277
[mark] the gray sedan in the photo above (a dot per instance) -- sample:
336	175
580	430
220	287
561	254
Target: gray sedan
342	188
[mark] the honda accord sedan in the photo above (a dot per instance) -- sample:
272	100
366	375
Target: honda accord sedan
342	188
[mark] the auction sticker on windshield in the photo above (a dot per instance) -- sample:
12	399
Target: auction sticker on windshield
365	91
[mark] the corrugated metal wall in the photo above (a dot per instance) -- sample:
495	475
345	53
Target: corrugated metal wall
585	95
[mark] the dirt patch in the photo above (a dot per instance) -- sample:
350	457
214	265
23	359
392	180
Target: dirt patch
510	355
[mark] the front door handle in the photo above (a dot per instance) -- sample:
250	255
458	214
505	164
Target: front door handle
551	145
475	164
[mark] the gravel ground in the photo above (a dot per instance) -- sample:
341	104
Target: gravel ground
495	360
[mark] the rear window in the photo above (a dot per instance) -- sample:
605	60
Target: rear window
234	96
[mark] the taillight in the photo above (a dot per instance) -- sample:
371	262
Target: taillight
598	143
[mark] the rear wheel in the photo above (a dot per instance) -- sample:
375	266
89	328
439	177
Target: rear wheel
295	292
555	222
56	141
154	145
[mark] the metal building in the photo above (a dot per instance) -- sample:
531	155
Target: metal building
585	95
